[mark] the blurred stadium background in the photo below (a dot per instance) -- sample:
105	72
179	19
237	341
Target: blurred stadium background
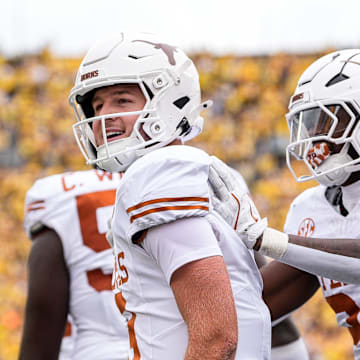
246	128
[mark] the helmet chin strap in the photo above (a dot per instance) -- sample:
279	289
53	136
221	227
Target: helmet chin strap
336	161
353	168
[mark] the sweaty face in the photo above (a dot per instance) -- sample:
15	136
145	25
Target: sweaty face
116	99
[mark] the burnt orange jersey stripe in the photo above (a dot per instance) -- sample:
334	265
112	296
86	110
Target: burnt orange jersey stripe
121	303
33	205
132	337
36	202
33	208
155	201
166	208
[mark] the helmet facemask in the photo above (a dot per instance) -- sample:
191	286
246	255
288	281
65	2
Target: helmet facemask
321	135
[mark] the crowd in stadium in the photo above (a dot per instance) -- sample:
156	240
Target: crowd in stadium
246	128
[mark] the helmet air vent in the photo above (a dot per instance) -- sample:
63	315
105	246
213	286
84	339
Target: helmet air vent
181	102
336	79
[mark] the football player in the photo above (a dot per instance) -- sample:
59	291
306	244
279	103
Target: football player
323	118
286	342
133	96
324	125
70	269
187	286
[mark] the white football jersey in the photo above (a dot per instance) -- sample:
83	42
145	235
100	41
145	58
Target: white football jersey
77	206
165	185
312	215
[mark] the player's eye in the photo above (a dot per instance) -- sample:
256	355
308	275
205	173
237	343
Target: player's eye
123	101
97	107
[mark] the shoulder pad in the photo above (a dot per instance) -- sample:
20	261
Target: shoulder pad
168	184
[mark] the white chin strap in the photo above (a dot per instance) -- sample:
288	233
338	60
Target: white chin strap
336	177
111	159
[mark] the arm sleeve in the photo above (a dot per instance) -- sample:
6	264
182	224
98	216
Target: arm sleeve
331	266
180	242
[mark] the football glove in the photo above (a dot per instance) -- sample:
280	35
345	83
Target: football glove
230	198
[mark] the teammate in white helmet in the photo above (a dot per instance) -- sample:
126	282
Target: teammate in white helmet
286	341
324	125
70	270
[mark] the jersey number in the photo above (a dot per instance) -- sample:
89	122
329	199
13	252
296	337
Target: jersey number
87	205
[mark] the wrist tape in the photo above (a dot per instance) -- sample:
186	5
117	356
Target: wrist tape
274	243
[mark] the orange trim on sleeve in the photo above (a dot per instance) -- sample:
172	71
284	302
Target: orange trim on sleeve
166	208
35	205
155	201
238	213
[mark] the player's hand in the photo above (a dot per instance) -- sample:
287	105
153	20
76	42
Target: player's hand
231	200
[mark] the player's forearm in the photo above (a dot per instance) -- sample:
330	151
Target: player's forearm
346	247
217	348
333	266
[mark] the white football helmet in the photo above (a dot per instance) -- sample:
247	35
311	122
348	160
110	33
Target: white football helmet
323	119
169	82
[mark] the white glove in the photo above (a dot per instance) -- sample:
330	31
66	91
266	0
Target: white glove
230	198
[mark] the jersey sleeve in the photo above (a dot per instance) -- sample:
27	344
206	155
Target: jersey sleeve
182	249
41	205
46	205
168	184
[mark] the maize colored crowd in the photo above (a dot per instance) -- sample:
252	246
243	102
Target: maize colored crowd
246	127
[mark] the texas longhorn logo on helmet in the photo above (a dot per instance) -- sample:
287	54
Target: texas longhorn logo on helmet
166	48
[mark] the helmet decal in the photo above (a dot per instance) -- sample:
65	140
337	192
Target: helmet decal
166	48
89	75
